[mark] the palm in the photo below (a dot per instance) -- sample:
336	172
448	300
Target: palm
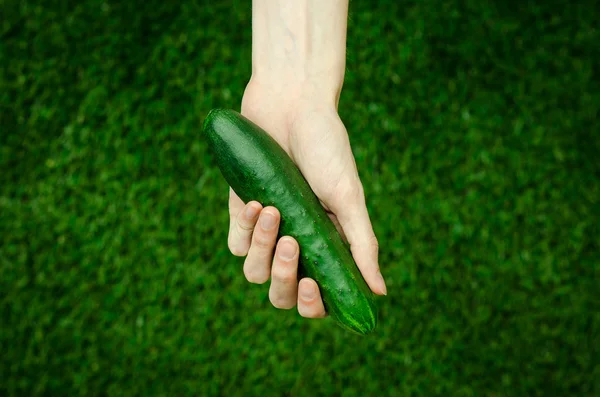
317	141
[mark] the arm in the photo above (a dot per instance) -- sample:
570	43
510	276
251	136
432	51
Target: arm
300	44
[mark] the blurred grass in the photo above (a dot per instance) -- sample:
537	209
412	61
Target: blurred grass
475	128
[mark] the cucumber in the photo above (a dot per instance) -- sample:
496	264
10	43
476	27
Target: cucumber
257	168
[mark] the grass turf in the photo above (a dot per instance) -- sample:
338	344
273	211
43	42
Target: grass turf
475	129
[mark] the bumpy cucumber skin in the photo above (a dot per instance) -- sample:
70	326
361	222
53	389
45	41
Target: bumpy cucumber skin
257	168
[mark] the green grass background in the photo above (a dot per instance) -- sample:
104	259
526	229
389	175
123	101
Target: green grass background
476	133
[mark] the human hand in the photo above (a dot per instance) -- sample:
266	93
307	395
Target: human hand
304	121
298	61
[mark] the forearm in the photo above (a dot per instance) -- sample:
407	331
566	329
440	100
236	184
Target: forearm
300	43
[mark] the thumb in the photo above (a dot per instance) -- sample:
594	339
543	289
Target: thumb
351	211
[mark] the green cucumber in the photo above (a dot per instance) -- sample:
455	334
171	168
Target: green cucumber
257	168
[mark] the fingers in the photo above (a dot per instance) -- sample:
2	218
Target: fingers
284	274
354	219
253	232
285	290
310	304
241	224
257	266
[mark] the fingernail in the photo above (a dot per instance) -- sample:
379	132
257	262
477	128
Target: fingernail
251	211
308	294
287	250
267	221
381	283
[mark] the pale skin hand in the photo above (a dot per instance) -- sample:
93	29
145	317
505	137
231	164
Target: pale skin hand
298	66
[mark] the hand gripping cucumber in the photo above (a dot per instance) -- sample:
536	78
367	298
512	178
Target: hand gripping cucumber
257	168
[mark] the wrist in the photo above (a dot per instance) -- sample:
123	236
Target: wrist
300	45
286	88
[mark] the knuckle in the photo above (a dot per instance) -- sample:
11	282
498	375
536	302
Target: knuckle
255	276
235	245
244	225
262	241
353	191
307	311
235	249
374	244
284	275
280	302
